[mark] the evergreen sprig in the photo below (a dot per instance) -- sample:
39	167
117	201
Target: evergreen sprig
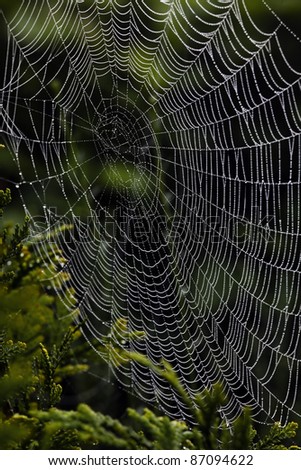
10	241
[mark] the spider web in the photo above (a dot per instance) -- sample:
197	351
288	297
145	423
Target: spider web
167	133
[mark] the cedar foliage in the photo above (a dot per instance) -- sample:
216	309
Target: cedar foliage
37	353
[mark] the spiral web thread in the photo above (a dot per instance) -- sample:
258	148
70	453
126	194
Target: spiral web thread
168	134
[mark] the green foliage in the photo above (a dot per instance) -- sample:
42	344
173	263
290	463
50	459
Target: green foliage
277	436
30	315
10	244
36	355
148	431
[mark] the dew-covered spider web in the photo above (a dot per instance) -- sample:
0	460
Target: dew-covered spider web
167	134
